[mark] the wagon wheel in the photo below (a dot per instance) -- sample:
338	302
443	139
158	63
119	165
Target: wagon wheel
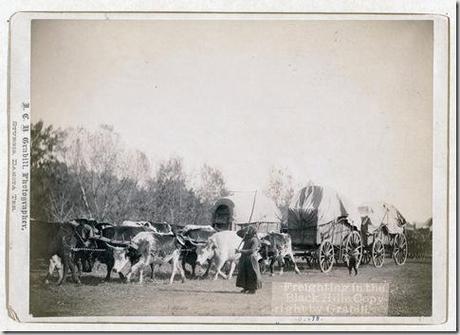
353	242
378	253
400	249
326	256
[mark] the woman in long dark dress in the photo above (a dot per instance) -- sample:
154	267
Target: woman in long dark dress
249	278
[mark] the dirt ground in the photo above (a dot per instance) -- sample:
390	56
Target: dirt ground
410	292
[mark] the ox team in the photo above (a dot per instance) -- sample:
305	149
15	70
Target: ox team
128	249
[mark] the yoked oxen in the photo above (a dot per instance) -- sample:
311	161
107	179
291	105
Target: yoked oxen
116	236
67	247
151	249
110	236
275	247
194	236
220	248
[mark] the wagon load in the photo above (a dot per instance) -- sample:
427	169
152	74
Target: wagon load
324	226
382	214
314	211
383	228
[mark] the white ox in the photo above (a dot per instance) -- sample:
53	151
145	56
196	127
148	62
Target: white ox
220	248
275	247
151	249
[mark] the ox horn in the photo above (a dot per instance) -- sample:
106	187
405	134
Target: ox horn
115	248
181	240
184	238
193	243
74	223
133	245
196	244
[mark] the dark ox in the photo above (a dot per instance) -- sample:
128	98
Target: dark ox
95	250
275	247
148	248
194	236
63	249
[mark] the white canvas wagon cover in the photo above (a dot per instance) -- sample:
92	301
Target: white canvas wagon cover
380	214
249	207
316	205
318	213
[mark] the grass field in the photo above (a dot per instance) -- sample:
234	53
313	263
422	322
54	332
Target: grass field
410	293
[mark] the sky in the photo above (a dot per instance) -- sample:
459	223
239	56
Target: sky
346	104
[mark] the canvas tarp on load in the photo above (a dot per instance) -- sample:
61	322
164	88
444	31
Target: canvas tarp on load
381	214
245	207
312	212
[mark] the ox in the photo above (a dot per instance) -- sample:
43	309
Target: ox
194	236
85	257
150	249
70	236
116	236
109	235
275	247
220	248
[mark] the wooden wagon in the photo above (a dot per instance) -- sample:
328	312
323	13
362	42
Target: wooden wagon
324	228
383	234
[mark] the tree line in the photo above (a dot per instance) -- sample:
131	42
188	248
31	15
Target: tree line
78	172
82	173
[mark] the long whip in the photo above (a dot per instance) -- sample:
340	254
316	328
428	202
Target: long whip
250	218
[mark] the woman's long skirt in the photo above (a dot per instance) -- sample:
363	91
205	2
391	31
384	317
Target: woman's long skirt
249	277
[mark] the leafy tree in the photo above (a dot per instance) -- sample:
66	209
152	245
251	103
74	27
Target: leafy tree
280	189
210	189
168	192
106	173
45	141
212	185
52	184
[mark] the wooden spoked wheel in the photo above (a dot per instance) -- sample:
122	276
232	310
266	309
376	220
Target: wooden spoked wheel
378	253
326	256
400	249
353	245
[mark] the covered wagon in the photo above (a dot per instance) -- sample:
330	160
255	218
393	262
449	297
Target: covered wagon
241	209
324	226
383	233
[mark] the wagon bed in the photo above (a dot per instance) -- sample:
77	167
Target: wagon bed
324	227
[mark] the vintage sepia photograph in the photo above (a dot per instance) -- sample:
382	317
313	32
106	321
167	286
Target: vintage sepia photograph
243	167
